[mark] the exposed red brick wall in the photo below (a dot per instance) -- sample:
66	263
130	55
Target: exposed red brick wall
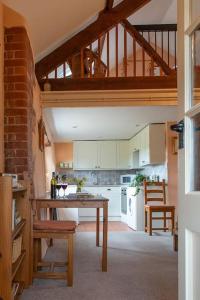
19	115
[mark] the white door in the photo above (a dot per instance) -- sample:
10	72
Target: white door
189	158
107	155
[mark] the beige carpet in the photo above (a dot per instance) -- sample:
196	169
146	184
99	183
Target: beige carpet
139	268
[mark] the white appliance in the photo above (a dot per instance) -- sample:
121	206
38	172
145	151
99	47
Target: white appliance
127	179
65	214
135	211
124	206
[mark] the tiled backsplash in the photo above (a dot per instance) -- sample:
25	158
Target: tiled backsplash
160	171
98	177
113	177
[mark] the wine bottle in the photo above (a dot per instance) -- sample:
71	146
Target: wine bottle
53	186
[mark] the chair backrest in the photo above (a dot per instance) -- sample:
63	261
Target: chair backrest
36	209
152	188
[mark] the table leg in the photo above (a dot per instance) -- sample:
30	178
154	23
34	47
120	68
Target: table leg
51	211
97	226
105	237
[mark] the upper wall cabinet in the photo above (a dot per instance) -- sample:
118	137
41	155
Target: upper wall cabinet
146	148
152	145
123	155
100	155
85	155
107	155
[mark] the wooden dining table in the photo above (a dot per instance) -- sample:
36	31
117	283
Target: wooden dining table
83	201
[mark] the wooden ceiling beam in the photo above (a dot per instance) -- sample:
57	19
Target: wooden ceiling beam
112	83
156	27
146	46
109	4
147	97
106	21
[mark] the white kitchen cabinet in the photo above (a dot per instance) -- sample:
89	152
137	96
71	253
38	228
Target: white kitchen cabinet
85	155
137	141
146	148
152	149
114	204
123	155
107	155
100	155
144	157
134	146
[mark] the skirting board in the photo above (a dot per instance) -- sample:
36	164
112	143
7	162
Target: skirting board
91	219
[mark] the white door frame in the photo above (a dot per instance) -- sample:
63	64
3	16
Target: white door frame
189	202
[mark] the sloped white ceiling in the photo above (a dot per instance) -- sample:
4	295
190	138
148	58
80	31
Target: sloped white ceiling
54	21
68	124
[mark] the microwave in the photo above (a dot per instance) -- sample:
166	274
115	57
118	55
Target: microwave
127	179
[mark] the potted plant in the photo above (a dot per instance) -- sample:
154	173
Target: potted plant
138	182
80	182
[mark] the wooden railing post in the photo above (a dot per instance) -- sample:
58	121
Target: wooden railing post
125	52
108	54
116	53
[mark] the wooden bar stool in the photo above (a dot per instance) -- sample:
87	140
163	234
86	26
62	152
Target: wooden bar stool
158	189
52	230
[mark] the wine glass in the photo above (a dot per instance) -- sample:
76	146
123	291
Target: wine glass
58	187
64	187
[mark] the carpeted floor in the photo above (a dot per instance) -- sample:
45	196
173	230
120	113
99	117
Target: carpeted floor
139	268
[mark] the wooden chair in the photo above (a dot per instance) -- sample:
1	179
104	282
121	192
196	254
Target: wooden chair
158	189
49	229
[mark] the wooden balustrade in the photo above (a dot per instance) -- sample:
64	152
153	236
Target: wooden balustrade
125	51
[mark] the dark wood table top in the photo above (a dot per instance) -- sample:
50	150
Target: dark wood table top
74	197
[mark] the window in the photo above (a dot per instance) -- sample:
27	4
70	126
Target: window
196	153
195	49
195	9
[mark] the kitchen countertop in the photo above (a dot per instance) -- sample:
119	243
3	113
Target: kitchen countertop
103	185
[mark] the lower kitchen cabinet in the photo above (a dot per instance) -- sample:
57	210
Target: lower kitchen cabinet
114	205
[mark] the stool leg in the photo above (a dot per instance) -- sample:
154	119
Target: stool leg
164	221
150	222
70	261
145	226
35	254
173	217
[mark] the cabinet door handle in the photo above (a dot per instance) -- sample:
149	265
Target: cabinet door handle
108	189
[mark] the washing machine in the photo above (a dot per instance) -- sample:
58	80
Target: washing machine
135	212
